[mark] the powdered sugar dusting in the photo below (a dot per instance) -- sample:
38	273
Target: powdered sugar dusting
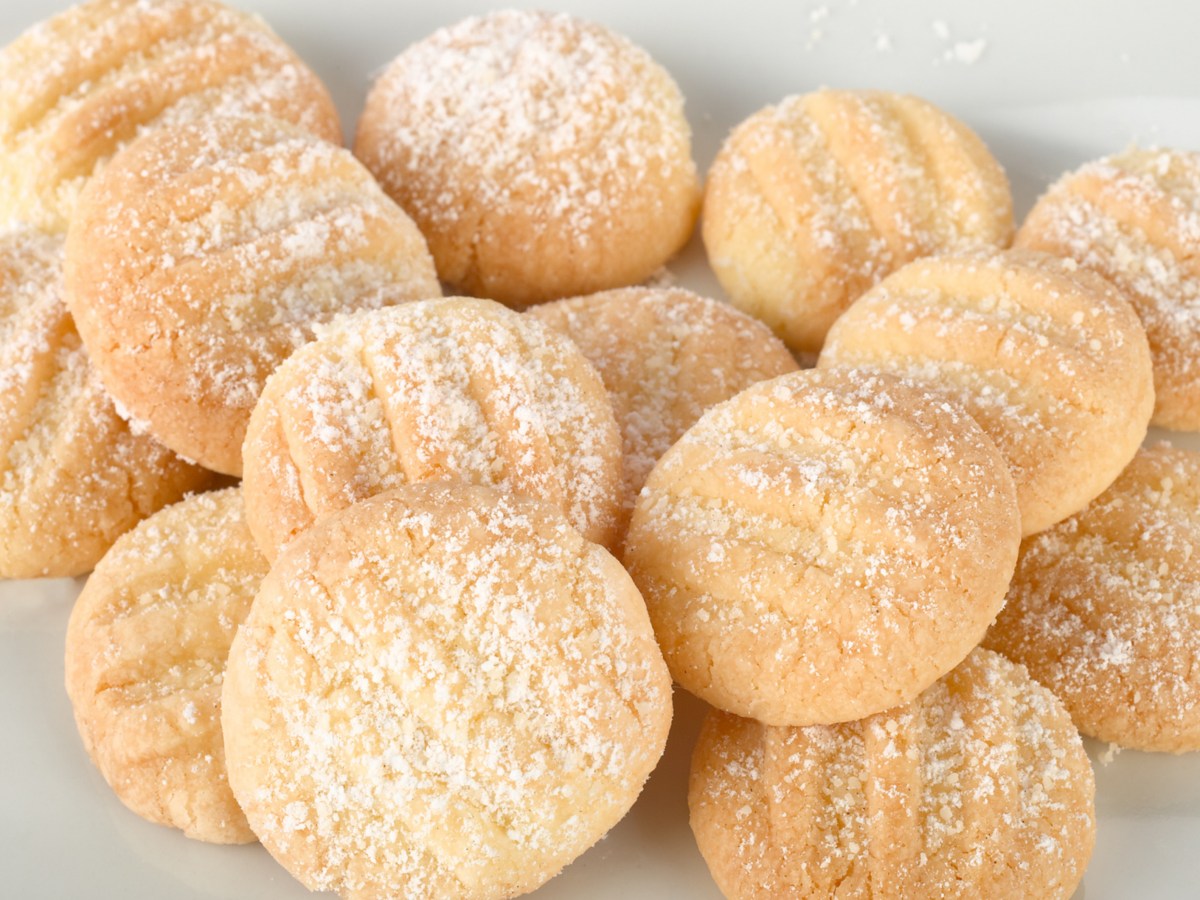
1135	218
78	87
208	252
1105	607
461	389
665	356
832	487
1028	346
72	475
481	696
145	661
978	786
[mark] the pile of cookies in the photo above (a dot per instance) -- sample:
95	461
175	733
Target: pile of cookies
426	646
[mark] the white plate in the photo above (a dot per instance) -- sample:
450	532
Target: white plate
1051	85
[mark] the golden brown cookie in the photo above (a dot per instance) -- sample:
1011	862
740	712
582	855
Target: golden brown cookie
665	355
76	88
457	388
146	649
541	155
1049	358
813	200
73	477
1104	608
1135	218
204	254
980	787
443	690
823	546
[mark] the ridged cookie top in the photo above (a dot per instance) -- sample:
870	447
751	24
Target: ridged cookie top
1104	608
813	200
442	691
1049	358
1135	218
72	476
978	788
456	388
542	155
665	356
76	88
823	546
204	254
145	660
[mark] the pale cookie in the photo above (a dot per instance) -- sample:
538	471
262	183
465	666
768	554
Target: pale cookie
204	254
823	546
76	88
980	787
73	478
1049	358
1105	607
541	155
442	691
146	649
1135	218
812	201
665	355
457	388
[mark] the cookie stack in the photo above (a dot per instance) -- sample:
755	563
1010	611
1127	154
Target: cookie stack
426	646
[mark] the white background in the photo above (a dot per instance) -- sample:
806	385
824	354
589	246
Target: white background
1055	83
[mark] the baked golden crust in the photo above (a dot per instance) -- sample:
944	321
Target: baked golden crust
443	690
1104	608
823	546
79	86
443	389
542	156
665	356
1135	218
145	657
1049	358
813	200
73	477
204	254
980	787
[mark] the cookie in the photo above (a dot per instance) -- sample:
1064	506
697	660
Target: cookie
1135	218
665	356
73	477
204	254
823	546
980	787
457	388
78	87
813	200
541	155
1049	358
146	649
443	690
1104	608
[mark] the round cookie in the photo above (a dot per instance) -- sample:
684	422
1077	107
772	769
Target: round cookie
823	546
1104	608
204	254
541	155
76	88
455	388
73	477
980	787
665	356
443	690
1135	218
146	649
1049	358
812	201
